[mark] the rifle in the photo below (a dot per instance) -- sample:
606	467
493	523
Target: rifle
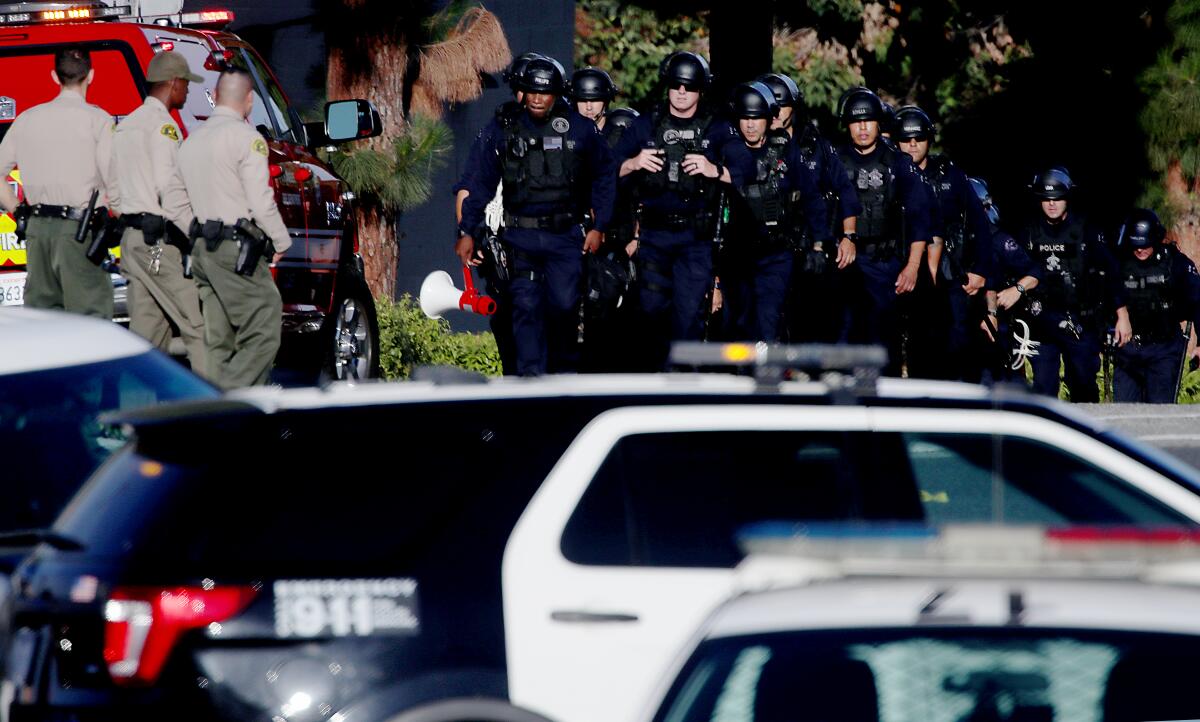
1187	337
718	245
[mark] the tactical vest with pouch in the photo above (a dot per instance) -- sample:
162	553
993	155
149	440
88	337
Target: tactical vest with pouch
874	178
1148	285
540	165
1065	285
678	138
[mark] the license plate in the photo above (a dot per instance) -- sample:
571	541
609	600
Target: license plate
12	289
345	607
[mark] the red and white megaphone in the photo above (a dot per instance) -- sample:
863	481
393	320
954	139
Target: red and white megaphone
439	295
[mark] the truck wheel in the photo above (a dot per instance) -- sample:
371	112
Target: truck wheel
468	710
351	338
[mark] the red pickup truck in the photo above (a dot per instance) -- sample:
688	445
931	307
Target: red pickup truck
329	321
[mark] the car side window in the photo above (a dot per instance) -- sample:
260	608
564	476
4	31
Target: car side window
274	100
985	478
679	499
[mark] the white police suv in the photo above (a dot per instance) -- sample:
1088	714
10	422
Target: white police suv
509	550
965	623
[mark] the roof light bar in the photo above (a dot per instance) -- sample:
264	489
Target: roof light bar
215	18
30	13
977	549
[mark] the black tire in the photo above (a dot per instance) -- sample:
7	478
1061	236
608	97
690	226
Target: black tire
468	710
350	335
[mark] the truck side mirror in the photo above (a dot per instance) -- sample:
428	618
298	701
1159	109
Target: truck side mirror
351	120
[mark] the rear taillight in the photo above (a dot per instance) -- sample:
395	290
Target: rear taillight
142	625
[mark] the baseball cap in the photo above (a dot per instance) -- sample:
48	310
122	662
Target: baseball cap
169	65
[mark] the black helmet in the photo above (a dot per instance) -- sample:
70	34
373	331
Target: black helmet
862	104
621	117
888	124
841	104
683	67
591	84
1142	229
985	198
514	71
787	93
1052	184
753	100
912	122
541	75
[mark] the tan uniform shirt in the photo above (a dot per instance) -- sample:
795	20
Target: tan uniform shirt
224	167
145	164
63	149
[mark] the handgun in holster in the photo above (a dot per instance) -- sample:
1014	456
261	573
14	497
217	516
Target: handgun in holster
252	243
182	241
21	218
98	231
496	261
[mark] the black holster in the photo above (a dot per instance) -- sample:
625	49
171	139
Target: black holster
252	244
153	228
496	264
183	242
21	217
105	234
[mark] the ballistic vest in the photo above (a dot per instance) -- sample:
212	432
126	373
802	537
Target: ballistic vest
678	137
766	196
540	164
874	177
1148	285
1065	284
937	172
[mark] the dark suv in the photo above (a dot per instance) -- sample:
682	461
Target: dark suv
337	554
328	313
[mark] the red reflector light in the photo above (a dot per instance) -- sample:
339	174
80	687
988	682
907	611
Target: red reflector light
275	170
1125	535
165	46
303	174
216	62
142	625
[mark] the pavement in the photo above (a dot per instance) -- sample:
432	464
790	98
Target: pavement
1175	429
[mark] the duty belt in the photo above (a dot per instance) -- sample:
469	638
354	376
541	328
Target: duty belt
554	223
134	220
881	250
661	220
227	232
66	212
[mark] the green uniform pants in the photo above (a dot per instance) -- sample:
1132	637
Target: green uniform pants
242	316
161	298
59	276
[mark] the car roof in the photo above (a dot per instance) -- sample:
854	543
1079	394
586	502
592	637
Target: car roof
35	340
857	603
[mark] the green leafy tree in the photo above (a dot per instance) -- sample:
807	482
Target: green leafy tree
1170	119
630	41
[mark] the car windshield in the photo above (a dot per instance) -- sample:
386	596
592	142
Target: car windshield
944	675
50	428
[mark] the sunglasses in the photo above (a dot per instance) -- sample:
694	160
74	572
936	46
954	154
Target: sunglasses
685	86
917	138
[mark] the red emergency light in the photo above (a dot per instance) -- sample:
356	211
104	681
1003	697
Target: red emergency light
208	18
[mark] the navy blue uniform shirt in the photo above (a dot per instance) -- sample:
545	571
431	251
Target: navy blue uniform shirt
719	136
911	191
957	201
798	177
598	170
831	174
1011	262
1096	254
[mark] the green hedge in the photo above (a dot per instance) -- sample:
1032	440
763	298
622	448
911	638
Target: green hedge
407	339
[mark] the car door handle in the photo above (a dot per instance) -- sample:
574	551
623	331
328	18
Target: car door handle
582	617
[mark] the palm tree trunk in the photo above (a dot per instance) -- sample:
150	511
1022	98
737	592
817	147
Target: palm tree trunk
384	86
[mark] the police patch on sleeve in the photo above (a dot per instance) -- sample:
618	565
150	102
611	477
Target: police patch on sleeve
259	146
560	125
171	132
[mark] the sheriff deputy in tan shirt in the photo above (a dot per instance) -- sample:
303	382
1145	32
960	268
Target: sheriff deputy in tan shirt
145	167
224	167
63	149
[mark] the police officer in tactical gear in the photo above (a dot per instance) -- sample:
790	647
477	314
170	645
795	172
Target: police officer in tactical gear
960	260
676	158
555	166
893	228
1011	265
815	285
777	204
63	148
1071	308
1163	290
495	275
591	90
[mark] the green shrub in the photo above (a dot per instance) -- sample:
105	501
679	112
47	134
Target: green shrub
407	339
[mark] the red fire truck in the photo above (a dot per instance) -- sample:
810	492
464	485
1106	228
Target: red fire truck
329	319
